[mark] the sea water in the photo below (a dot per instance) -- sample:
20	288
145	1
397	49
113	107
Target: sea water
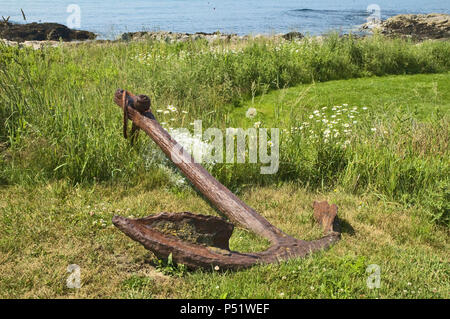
111	18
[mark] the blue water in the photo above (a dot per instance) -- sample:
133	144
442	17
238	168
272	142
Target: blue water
111	18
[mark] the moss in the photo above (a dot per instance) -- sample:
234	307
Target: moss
184	230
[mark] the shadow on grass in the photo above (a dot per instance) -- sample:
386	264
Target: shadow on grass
346	227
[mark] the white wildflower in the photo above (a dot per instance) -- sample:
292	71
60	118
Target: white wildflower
251	112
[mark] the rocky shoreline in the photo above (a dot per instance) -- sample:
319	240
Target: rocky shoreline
168	36
418	27
415	26
42	32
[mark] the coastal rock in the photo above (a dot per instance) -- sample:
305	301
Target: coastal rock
41	32
294	35
210	37
176	36
416	26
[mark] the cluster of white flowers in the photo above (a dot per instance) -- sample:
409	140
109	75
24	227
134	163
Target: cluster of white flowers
149	58
157	55
152	57
100	223
292	47
221	50
286	47
168	115
155	157
190	142
217	51
330	125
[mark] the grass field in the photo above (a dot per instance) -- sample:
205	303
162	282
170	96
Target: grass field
364	124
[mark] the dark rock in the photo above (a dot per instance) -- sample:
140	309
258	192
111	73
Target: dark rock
42	32
58	32
294	35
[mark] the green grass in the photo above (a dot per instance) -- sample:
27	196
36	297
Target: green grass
45	229
65	168
406	159
422	96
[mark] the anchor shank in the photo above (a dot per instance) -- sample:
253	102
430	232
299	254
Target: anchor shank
220	196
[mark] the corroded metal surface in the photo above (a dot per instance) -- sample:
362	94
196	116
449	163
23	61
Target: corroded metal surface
202	241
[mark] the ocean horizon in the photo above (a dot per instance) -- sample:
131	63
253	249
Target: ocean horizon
109	19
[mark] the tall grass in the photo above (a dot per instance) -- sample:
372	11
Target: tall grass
59	122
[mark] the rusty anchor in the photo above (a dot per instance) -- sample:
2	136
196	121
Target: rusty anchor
199	241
